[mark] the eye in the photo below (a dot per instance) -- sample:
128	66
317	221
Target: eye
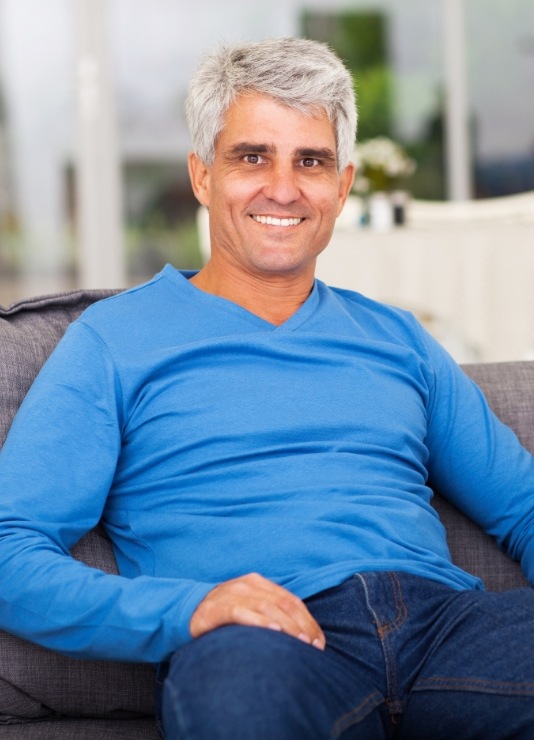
252	158
310	162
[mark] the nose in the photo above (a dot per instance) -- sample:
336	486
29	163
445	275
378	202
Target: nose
281	186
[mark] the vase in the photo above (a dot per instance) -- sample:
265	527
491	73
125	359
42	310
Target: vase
400	200
380	211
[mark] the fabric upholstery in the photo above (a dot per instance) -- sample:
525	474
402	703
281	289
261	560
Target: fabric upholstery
82	729
38	686
509	388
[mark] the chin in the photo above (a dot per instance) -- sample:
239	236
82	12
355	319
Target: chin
284	267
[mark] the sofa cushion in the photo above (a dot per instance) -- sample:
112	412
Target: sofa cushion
82	729
509	389
35	682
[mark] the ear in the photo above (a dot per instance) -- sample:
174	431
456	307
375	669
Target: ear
199	174
346	178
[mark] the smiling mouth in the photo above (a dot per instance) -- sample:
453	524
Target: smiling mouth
273	221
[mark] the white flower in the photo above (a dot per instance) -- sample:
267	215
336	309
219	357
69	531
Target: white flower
384	157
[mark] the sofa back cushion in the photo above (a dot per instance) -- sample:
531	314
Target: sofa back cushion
509	389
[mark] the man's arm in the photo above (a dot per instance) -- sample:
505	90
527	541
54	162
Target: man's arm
478	463
56	468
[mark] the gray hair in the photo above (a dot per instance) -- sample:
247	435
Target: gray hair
302	74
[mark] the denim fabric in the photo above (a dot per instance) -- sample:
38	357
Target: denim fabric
162	671
405	658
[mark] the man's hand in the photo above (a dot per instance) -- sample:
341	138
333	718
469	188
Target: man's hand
255	601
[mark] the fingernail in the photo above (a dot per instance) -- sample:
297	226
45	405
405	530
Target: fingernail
304	638
318	644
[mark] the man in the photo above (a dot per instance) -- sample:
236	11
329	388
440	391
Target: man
259	447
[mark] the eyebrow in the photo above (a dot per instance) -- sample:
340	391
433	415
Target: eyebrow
246	147
322	153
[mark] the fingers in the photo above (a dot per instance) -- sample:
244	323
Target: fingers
255	601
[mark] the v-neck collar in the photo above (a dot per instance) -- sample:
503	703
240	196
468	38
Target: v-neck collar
182	277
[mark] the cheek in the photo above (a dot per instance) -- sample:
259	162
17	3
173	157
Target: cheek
329	204
238	193
338	201
325	193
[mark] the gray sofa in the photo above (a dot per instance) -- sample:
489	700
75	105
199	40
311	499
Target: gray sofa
45	695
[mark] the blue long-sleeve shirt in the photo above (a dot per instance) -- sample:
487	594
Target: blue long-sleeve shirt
213	443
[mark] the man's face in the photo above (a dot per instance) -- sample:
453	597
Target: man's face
273	190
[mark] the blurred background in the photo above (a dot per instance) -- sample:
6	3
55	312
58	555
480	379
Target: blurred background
93	142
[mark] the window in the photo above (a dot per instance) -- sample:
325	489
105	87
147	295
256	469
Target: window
37	131
397	52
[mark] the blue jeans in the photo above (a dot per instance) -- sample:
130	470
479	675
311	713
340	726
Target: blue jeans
405	658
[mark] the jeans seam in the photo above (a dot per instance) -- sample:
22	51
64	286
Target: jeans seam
383	632
489	686
400	606
176	710
357	714
161	672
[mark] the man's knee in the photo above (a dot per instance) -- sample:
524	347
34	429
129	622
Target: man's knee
243	682
255	660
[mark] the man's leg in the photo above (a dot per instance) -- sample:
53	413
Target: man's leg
478	681
247	683
406	658
256	684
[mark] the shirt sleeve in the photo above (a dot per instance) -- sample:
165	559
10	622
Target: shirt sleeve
477	462
56	468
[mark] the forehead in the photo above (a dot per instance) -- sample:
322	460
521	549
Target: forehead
261	119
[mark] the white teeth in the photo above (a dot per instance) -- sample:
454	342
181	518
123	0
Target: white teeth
272	221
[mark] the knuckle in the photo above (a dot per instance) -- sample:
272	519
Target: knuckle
235	612
290	603
239	588
253	578
264	606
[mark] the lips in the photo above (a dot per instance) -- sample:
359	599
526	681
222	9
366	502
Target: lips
273	221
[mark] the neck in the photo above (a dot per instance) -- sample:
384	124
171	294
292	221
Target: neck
273	298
